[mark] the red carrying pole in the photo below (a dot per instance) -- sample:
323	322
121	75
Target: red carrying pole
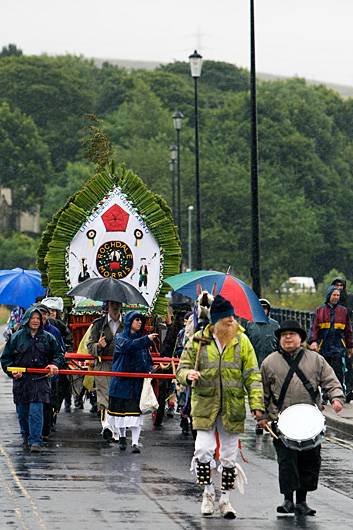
87	356
94	372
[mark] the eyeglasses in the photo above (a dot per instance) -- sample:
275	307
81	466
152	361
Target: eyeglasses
138	318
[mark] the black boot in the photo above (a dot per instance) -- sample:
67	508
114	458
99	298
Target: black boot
301	508
184	424
122	443
107	435
286	508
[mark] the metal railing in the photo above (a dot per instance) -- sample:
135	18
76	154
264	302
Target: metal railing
303	317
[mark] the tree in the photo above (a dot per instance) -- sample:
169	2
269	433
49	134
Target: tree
10	50
114	85
18	251
216	74
56	93
141	116
24	158
67	183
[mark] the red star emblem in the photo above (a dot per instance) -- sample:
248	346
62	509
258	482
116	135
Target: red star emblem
115	219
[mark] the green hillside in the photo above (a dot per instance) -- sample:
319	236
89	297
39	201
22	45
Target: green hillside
305	155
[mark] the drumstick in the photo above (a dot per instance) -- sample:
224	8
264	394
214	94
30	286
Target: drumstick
268	428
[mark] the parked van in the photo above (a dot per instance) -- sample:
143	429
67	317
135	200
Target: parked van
299	284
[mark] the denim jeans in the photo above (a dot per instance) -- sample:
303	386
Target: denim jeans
30	417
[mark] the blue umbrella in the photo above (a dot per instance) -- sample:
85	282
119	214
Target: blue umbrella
20	287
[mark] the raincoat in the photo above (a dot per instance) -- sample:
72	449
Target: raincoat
262	337
131	355
331	328
31	352
274	370
225	380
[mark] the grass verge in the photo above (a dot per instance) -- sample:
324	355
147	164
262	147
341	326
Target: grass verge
4	314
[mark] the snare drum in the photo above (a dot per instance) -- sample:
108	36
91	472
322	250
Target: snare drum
301	427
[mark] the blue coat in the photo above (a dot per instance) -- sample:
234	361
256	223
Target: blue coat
131	355
50	328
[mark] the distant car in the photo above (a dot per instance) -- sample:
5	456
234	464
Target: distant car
298	284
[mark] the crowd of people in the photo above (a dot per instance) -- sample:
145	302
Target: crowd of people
222	361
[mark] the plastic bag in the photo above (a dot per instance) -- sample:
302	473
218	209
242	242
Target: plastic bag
148	400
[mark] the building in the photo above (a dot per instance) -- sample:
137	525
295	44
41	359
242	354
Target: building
12	220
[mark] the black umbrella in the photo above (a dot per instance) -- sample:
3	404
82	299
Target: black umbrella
101	289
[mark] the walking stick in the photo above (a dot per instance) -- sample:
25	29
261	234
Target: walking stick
202	342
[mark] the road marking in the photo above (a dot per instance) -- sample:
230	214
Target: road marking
17	509
23	490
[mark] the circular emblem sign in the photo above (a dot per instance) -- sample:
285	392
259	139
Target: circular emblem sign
114	258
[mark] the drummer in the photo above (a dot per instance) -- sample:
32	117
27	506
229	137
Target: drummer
284	374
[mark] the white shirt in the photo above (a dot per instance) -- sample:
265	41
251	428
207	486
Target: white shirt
219	345
113	324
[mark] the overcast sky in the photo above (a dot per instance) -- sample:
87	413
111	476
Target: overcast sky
307	38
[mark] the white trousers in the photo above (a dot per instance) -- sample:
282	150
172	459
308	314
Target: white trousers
205	445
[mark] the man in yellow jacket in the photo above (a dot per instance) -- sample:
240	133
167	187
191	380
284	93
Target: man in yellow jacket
220	364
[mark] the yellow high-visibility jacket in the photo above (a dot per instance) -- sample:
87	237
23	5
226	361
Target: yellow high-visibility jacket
225	379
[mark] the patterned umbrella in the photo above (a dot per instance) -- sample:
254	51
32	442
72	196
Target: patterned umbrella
245	302
20	287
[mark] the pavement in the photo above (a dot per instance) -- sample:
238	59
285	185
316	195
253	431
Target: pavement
342	422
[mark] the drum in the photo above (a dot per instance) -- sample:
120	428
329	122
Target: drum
301	427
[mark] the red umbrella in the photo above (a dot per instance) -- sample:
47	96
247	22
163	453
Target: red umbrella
245	302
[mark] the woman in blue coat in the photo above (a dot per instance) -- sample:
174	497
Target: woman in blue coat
131	355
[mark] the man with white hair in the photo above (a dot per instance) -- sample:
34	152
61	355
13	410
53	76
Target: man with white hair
220	364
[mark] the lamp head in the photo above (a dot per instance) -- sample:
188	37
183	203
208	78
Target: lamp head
173	152
178	120
195	60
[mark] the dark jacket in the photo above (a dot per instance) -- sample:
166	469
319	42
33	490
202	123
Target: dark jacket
50	328
346	299
64	331
262	337
131	355
31	352
100	327
331	328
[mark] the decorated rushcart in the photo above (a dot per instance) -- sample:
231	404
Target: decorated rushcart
113	227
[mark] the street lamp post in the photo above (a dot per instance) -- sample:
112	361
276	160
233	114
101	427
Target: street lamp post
172	165
255	217
196	66
177	122
190	210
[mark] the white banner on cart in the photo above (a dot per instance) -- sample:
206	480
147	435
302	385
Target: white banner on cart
115	241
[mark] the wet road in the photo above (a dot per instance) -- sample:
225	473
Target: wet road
81	482
2	341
